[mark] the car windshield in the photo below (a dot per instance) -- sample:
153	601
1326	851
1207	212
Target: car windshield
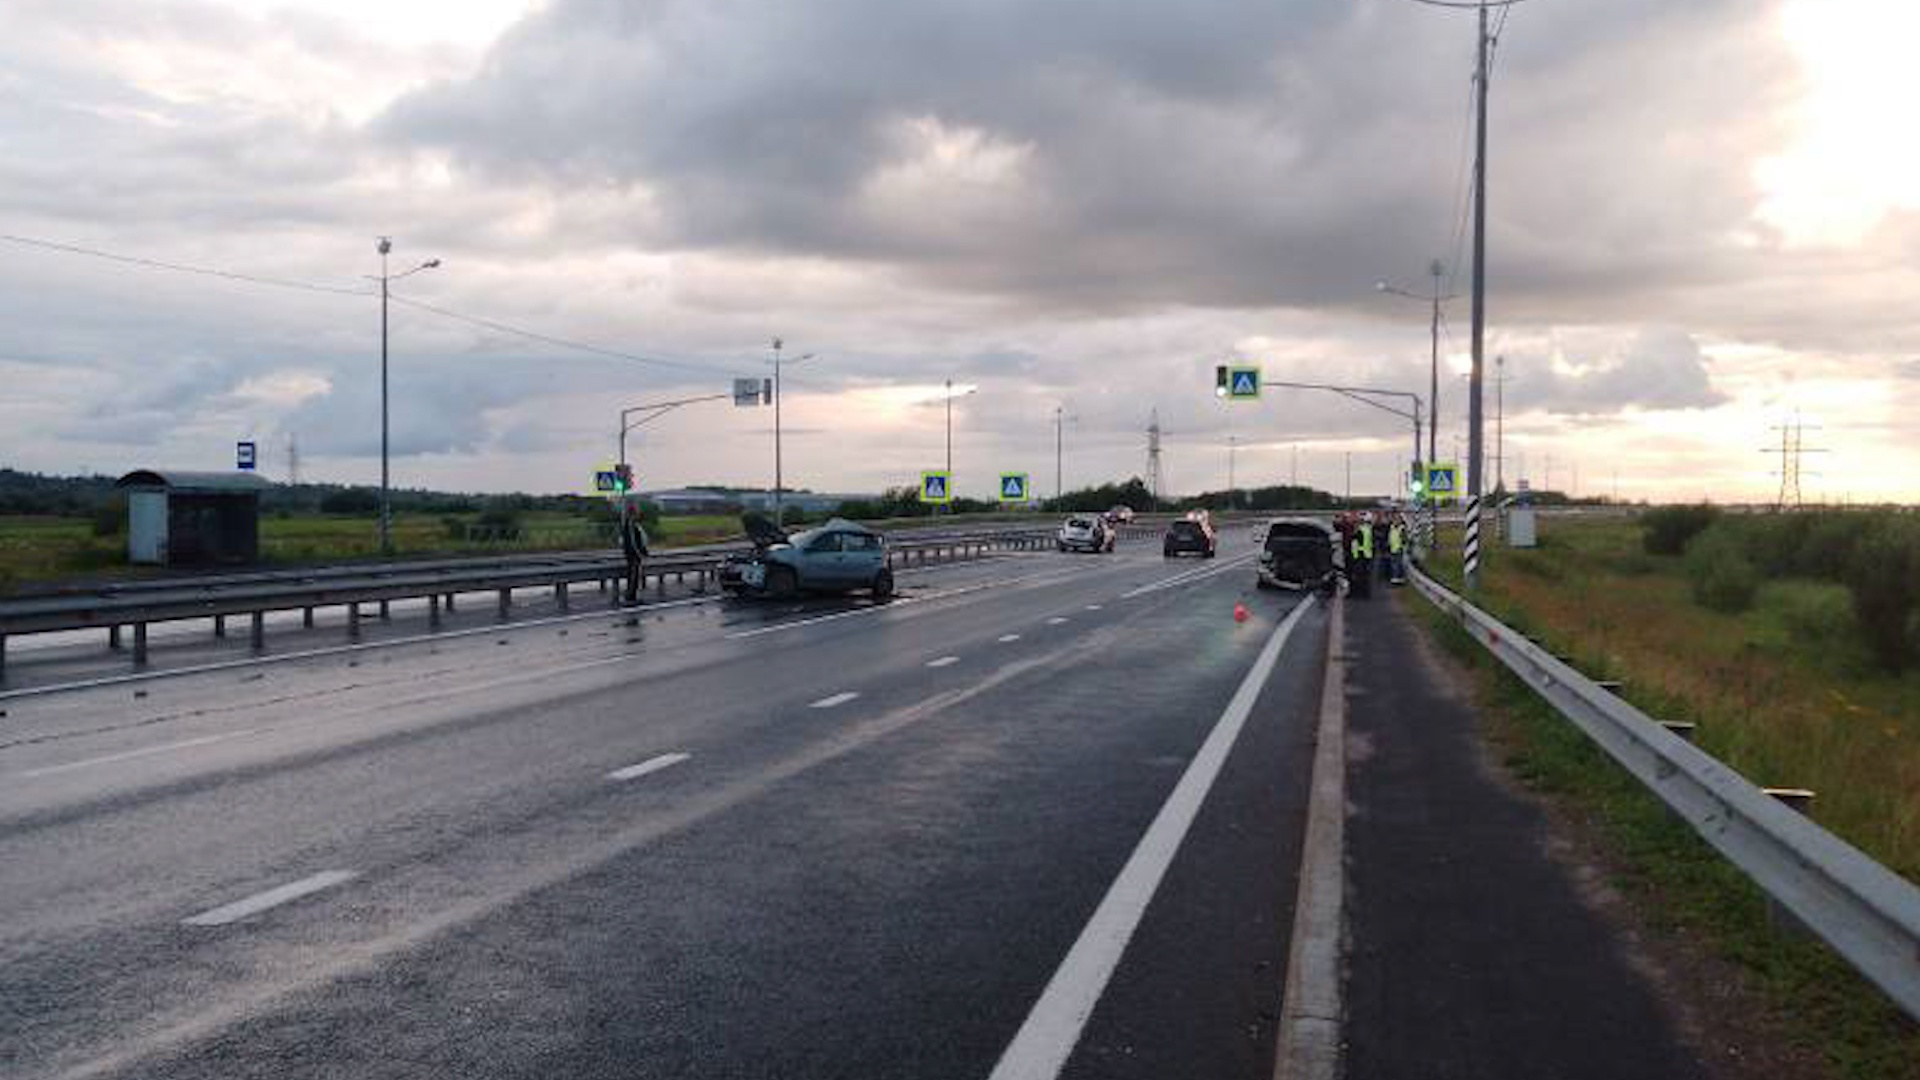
1079	523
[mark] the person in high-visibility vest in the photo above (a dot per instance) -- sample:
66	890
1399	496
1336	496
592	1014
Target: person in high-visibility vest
1360	559
1397	548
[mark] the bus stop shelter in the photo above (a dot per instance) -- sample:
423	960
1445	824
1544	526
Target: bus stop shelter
177	518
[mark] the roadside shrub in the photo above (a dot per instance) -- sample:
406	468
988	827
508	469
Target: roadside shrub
358	501
1667	529
455	527
792	515
1884	577
1817	616
1721	575
110	518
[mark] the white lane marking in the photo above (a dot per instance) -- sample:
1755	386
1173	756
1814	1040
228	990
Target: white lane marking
261	901
1041	1047
105	759
943	661
897	601
840	698
1003	638
1093	607
1190	576
1056	620
812	620
651	765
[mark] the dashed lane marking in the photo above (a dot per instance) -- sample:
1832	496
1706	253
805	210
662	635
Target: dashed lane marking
272	898
1004	638
943	661
651	765
833	700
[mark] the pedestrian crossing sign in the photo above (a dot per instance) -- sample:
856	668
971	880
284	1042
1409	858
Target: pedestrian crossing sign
936	487
1013	487
1443	482
1243	384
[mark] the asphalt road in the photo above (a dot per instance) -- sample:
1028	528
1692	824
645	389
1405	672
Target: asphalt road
712	839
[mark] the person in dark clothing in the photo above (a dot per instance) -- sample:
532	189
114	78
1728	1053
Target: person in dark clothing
633	543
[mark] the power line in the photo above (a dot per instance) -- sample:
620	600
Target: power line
308	286
549	339
181	268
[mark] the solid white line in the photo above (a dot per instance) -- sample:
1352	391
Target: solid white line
651	765
104	759
1041	1047
813	620
943	661
1056	620
1191	576
258	902
1307	1045
1008	637
840	698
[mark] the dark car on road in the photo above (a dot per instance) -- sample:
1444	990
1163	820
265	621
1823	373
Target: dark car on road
840	556
1190	536
1298	554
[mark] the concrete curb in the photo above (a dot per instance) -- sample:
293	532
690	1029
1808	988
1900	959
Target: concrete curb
1309	1038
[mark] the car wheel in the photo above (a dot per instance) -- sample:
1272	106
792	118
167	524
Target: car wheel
782	582
883	585
1166	553
1061	544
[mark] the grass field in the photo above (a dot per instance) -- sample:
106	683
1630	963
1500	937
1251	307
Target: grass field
1680	887
44	549
1784	692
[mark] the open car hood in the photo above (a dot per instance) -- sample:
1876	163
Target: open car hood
762	531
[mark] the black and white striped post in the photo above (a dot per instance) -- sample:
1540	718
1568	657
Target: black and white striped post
1470	550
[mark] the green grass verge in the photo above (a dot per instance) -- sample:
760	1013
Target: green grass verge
1678	883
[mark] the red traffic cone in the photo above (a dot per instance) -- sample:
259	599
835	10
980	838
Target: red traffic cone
1239	612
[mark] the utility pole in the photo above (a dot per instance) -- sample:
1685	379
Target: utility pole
1153	459
1500	423
1059	426
385	246
1475	464
1349	476
777	398
779	480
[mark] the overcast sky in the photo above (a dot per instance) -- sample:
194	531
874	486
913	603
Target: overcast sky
1703	217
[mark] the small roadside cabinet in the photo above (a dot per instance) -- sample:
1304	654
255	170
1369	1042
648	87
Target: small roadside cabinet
177	518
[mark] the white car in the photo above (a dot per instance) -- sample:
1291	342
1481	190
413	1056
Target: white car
1085	532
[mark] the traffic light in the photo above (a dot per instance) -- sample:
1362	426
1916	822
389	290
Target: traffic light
1220	380
622	478
1417	480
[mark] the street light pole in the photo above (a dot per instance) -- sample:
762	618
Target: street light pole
385	246
1059	425
779	481
1475	466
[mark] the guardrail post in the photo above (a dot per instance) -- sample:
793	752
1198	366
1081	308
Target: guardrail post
383	611
139	645
433	611
1779	919
450	603
660	584
1682	728
560	595
306	617
353	622
3	658
259	634
113	637
219	626
506	601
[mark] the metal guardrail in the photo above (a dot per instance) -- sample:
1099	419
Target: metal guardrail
1867	913
254	596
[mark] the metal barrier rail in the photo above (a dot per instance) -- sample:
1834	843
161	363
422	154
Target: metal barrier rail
255	597
1867	913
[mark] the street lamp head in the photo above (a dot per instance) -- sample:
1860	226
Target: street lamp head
430	264
1382	286
385	245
